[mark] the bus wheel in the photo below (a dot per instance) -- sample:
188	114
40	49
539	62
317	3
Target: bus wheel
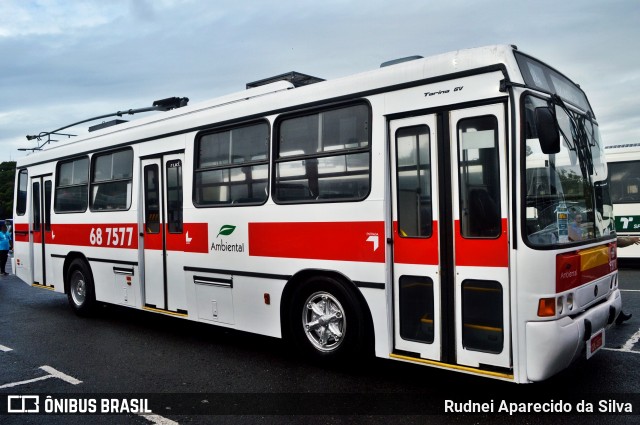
81	293
325	319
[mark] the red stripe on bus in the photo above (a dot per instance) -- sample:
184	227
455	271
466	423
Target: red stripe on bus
193	238
196	237
117	235
342	241
411	250
21	232
482	252
153	240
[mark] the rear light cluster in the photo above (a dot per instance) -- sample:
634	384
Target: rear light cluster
574	269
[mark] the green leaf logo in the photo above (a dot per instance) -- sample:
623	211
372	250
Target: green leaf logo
226	230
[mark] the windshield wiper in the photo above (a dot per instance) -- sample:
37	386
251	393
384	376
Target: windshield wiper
585	140
579	137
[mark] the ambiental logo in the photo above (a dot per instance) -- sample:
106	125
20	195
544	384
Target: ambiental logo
226	230
222	246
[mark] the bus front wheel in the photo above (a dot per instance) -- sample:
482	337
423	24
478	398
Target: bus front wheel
326	321
81	292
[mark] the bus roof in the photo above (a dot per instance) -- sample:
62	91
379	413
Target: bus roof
626	146
622	152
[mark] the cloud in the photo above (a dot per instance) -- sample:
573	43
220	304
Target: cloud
64	61
19	18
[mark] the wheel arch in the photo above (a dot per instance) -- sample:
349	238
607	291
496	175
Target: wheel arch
69	259
298	279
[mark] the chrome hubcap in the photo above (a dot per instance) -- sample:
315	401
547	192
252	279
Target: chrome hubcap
78	288
323	321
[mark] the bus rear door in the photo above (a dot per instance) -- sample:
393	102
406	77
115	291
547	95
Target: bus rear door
41	191
163	234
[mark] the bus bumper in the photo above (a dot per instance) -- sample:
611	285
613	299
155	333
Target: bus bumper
554	345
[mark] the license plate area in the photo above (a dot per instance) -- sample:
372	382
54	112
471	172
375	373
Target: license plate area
595	343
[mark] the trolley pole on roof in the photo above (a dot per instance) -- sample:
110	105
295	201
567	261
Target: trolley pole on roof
158	105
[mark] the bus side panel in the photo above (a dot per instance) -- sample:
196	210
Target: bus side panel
21	261
256	268
628	225
624	177
254	312
378	306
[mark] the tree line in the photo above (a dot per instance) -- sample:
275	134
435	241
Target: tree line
7	178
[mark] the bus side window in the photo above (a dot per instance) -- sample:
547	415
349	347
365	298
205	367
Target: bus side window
323	156
72	186
111	180
625	182
232	166
21	197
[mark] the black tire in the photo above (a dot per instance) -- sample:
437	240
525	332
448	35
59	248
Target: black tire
80	290
326	321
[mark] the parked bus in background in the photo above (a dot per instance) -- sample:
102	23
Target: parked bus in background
624	174
419	211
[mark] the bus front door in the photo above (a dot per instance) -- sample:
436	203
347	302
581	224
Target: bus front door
450	245
41	234
162	233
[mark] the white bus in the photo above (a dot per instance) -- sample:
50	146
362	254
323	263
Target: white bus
419	212
624	174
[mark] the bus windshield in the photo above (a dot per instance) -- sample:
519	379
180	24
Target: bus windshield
567	193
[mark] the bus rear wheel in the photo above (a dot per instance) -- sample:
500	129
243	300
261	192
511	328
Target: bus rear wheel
326	321
80	289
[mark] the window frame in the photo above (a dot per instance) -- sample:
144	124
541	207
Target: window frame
524	133
93	183
21	203
58	186
230	166
275	182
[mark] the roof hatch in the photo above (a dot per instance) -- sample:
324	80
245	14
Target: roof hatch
296	78
400	60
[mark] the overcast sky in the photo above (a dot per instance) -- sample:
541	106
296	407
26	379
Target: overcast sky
62	61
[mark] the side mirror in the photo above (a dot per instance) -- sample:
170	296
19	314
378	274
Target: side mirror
547	129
